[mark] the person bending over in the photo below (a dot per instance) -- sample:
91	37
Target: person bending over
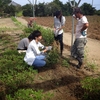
23	44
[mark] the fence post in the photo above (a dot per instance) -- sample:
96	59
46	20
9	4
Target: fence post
73	6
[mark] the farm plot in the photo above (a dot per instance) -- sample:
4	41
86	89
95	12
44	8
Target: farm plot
93	30
62	82
92	48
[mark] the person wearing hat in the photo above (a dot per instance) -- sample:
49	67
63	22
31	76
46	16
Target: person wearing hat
77	50
59	22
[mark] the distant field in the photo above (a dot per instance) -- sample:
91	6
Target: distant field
93	30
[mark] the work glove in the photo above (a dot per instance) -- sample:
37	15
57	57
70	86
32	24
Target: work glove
49	48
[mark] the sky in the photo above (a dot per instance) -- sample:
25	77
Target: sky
96	3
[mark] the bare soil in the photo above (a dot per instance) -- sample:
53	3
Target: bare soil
7	23
62	82
93	30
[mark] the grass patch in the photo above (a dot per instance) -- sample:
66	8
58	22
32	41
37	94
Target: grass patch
17	22
15	74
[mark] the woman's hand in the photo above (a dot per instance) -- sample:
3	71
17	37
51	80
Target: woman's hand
47	49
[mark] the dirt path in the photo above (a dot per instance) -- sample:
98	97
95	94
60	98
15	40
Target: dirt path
7	23
92	47
10	34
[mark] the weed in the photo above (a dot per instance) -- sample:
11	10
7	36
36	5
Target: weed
92	65
15	73
29	94
53	57
17	22
65	63
92	88
46	33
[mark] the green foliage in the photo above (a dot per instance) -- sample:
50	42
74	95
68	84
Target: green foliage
4	2
7	9
40	9
17	22
68	11
45	9
53	57
28	30
47	34
98	12
91	65
88	9
91	84
92	88
65	63
14	72
19	14
29	94
48	9
27	10
48	39
10	10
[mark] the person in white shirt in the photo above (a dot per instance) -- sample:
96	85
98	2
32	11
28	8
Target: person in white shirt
35	57
59	22
80	36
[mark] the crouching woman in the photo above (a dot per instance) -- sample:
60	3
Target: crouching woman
35	57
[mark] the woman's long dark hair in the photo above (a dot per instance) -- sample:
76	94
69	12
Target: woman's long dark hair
58	13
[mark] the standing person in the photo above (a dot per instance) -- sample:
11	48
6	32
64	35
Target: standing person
35	57
23	44
59	22
80	36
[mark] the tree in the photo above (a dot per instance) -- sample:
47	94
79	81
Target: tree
88	9
48	9
98	12
67	9
10	10
54	7
40	9
3	3
59	3
27	10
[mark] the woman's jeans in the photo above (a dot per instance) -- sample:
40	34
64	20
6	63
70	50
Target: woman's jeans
60	39
39	61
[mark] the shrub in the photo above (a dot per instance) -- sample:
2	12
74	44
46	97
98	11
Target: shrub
47	34
29	94
13	71
53	57
92	88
